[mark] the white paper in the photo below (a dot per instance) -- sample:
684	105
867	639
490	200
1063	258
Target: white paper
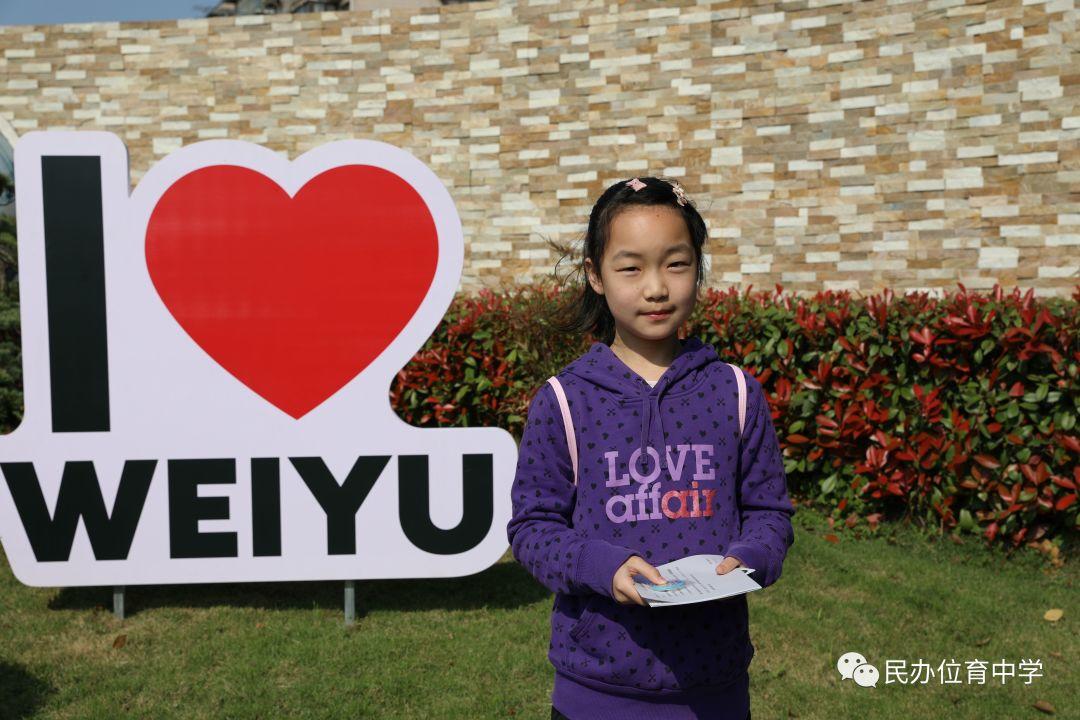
702	582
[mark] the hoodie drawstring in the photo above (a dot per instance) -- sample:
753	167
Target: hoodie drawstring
650	404
646	416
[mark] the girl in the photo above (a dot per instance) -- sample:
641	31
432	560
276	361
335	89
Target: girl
660	470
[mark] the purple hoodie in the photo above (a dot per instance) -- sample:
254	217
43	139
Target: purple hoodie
710	493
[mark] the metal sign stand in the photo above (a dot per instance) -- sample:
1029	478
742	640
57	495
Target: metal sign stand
350	602
119	592
118	601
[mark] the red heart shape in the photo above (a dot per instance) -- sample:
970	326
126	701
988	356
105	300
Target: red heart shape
292	296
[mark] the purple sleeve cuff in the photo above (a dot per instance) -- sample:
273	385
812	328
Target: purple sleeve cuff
752	556
597	564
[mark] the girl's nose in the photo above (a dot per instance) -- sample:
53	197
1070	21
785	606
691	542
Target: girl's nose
655	287
656	295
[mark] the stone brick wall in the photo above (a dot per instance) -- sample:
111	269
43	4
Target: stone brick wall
828	144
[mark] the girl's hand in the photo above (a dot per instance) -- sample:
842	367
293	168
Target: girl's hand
622	585
728	564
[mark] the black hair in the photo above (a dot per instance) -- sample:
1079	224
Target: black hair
587	311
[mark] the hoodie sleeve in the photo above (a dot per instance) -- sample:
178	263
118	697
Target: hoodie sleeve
764	506
560	557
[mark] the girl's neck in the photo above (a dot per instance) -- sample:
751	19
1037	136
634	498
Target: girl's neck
646	355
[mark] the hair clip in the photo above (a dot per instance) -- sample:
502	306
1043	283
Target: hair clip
680	195
636	184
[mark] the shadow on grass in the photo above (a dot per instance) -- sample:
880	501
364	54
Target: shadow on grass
504	585
22	693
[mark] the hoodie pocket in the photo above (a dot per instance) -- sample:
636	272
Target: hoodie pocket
585	621
657	648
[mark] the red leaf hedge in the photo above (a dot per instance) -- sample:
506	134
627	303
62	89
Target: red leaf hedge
959	410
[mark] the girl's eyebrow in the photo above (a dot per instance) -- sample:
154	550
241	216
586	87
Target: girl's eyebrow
670	250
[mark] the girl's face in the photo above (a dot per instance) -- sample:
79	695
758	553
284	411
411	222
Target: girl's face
648	266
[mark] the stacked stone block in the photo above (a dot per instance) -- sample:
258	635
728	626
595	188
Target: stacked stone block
828	144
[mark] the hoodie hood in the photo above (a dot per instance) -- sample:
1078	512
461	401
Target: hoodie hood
603	368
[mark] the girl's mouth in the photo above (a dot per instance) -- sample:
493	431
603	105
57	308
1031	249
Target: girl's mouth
658	316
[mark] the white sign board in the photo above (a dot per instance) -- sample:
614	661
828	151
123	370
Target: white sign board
207	364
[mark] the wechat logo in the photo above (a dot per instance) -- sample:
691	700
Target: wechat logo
853	666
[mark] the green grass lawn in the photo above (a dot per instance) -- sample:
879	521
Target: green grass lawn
477	647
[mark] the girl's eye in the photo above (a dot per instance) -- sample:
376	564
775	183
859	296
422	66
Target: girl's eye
674	264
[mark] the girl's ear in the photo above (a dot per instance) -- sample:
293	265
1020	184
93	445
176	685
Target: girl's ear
593	277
